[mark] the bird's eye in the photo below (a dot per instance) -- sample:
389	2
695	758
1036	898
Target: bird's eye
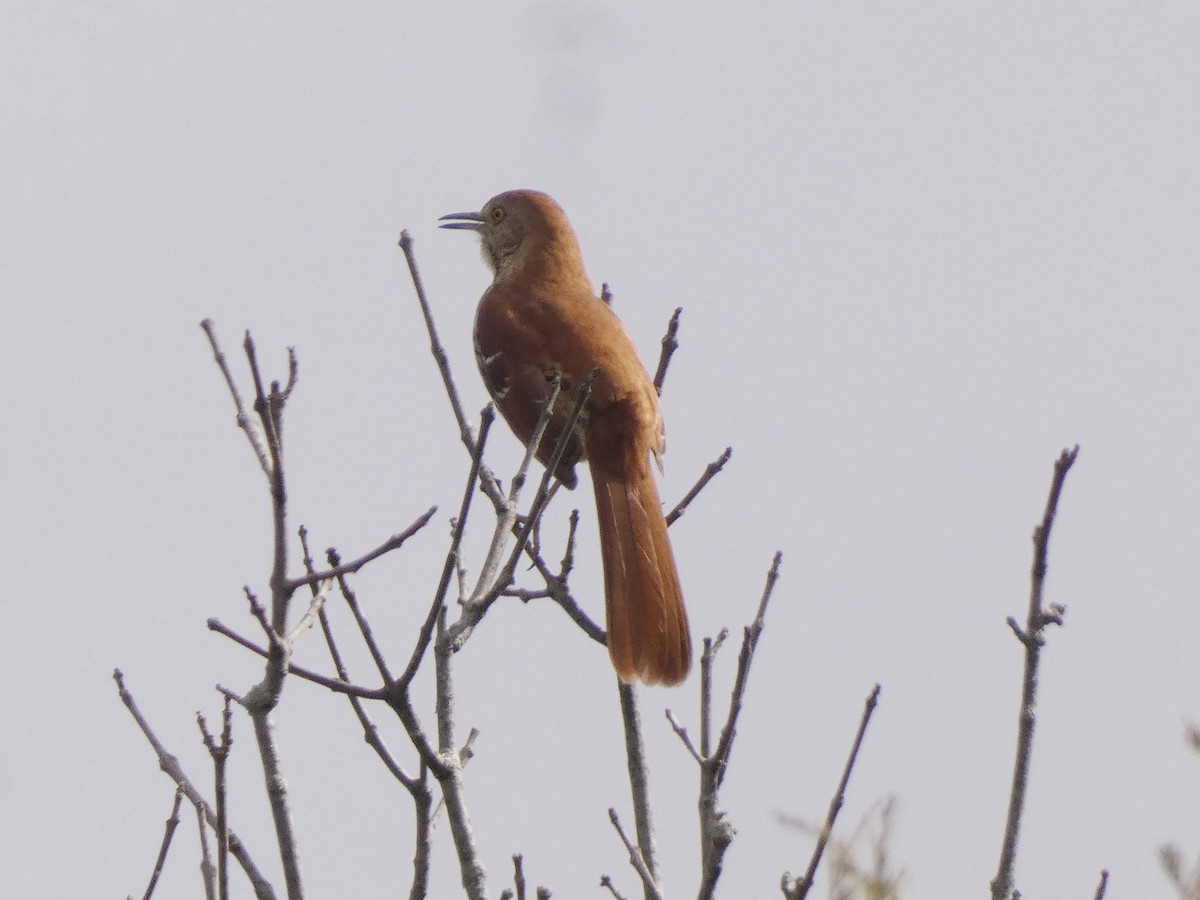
497	213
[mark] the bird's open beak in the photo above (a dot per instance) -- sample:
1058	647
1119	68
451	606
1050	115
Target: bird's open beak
469	221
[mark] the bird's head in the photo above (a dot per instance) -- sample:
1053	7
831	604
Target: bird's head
520	230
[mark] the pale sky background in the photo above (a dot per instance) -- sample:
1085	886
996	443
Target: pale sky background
920	249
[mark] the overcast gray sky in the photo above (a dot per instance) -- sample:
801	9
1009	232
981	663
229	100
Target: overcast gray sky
920	250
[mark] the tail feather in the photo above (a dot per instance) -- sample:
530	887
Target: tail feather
648	637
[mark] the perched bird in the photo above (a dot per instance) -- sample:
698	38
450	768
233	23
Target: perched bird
541	318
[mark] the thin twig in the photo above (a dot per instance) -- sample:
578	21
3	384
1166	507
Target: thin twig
425	635
506	513
1032	638
639	780
535	442
259	612
393	543
435	345
568	559
606	882
449	777
518	876
315	606
1102	887
683	736
244	422
364	627
716	832
168	833
545	491
799	889
710	473
417	788
219	751
635	858
669	346
333	684
749	644
709	655
208	871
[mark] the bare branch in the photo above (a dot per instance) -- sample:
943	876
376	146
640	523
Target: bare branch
669	346
263	697
1102	887
208	871
486	417
219	751
716	832
518	876
333	684
749	645
635	859
364	627
486	593
450	775
169	763
435	345
315	606
539	432
487	586
168	833
798	890
683	736
259	612
606	882
417	787
556	584
1032	639
244	422
546	488
639	781
707	657
710	473
393	543
276	787
568	560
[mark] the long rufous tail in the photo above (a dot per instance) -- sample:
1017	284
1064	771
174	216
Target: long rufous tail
648	637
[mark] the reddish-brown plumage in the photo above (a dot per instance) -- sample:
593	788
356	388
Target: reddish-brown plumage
541	316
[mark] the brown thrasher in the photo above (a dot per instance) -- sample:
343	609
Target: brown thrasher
540	317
